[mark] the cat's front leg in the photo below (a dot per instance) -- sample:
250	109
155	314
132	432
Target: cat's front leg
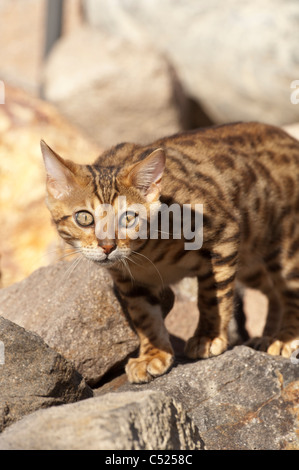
145	307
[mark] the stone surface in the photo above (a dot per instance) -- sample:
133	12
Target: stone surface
293	130
33	376
115	90
242	399
239	63
76	312
122	421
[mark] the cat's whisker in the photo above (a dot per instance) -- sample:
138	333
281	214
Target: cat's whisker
158	272
56	251
72	267
89	264
80	258
50	252
161	231
68	254
134	262
37	261
58	248
66	274
125	263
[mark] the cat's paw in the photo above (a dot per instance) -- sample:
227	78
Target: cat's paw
144	368
283	347
203	347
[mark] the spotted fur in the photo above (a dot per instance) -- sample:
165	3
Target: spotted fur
246	175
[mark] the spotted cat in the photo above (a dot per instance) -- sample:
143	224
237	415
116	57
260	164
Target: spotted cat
245	176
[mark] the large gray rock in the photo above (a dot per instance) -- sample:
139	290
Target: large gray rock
237	59
242	399
122	421
115	90
74	309
293	130
33	376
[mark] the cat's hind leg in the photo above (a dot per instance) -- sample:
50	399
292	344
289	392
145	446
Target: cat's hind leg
285	274
286	341
256	277
216	291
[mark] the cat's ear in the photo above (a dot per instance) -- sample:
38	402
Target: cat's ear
60	178
146	175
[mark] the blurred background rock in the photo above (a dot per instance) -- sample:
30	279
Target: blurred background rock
128	70
235	58
139	69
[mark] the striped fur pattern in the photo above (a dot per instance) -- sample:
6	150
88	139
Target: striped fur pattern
246	175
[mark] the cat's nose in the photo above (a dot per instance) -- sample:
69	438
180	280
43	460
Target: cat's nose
107	248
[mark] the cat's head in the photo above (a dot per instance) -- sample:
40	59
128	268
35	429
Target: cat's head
103	212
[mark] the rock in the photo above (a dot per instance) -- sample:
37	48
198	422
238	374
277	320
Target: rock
122	421
28	240
239	63
293	130
33	376
76	313
183	318
242	399
115	90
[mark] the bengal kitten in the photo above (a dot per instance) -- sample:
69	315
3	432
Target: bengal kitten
246	175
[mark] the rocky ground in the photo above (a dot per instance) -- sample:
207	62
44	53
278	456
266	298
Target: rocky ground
242	399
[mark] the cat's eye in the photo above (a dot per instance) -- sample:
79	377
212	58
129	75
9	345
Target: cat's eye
128	219
84	218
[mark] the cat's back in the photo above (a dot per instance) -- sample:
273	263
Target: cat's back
228	144
234	154
222	145
218	160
